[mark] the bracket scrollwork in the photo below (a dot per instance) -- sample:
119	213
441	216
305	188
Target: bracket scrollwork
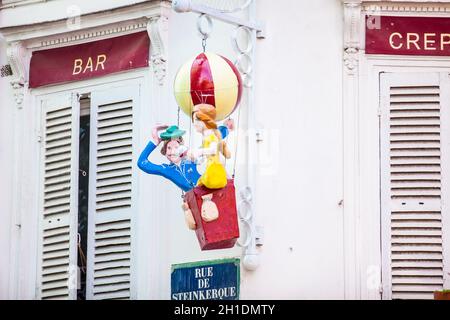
157	28
18	59
352	38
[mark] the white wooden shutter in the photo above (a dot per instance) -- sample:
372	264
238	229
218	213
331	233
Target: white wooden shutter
112	169
411	180
59	198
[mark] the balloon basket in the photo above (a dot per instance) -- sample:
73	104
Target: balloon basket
223	232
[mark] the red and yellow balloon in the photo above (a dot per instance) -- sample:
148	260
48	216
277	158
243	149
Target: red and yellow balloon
208	78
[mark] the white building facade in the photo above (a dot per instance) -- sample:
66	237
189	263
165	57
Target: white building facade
343	151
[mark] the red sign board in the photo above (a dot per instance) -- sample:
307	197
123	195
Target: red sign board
425	36
89	60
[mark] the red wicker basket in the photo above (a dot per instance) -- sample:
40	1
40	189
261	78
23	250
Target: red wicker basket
223	232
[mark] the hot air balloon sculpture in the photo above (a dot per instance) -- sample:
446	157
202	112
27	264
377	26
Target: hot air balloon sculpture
208	88
209	79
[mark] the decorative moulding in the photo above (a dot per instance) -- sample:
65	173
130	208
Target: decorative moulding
17	54
407	6
394	6
355	11
352	38
94	26
95	34
157	28
150	16
18	58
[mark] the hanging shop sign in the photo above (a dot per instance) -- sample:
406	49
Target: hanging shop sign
208	88
425	36
89	60
207	280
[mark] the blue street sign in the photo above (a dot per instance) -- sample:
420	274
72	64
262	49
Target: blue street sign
206	280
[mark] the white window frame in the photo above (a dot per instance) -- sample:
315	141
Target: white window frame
22	40
443	79
147	270
369	162
362	206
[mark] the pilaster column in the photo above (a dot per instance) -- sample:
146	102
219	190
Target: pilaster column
352	45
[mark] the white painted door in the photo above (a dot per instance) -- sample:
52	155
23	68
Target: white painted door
112	171
415	171
57	266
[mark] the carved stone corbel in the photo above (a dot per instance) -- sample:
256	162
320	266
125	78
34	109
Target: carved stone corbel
351	59
157	28
352	37
18	59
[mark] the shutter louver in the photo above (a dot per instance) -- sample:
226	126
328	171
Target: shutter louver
58	236
111	177
414	155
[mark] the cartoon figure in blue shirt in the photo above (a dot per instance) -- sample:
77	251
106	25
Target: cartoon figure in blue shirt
180	170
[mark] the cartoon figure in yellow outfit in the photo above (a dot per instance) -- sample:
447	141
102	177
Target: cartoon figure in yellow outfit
215	176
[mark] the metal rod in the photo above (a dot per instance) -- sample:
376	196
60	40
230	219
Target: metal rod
183	6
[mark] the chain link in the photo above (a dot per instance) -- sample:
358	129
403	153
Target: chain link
204	44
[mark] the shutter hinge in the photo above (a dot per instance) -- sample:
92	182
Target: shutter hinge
39	137
380	288
379	112
259	135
